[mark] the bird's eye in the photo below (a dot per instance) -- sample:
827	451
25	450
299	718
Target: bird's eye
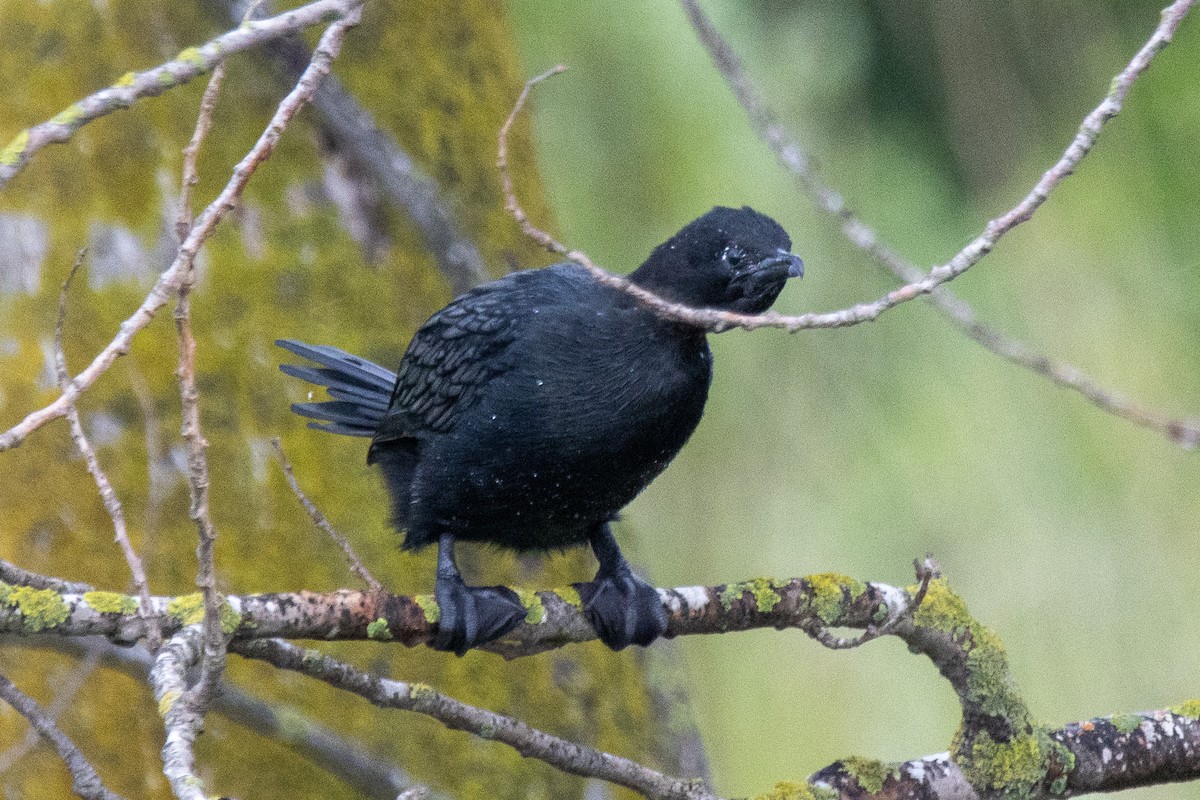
733	255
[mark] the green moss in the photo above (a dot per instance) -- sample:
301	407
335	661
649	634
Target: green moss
798	790
11	154
429	607
1013	768
40	609
379	630
761	589
1189	708
870	773
125	80
830	590
1126	723
111	602
188	609
535	611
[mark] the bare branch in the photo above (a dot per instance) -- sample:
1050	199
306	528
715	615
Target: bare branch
715	321
182	720
108	495
169	281
290	726
66	691
134	86
791	155
212	665
314	513
530	742
84	780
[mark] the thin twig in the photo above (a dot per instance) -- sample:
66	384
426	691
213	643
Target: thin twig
791	155
66	691
212	665
183	709
715	321
319	519
85	782
108	495
290	726
570	757
168	282
134	86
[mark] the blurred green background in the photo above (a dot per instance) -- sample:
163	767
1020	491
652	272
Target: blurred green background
1072	533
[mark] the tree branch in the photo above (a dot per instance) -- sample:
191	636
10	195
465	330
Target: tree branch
791	155
715	321
570	757
134	86
85	782
169	281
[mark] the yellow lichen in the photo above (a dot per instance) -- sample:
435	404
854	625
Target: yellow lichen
40	609
830	590
761	589
379	630
11	155
535	611
1188	708
167	701
869	772
429	607
111	602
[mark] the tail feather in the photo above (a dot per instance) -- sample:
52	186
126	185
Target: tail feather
361	390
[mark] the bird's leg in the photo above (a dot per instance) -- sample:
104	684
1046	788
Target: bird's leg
622	607
470	615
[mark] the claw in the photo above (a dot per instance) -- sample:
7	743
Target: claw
473	615
623	609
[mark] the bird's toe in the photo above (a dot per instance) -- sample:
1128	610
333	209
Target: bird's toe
471	616
623	609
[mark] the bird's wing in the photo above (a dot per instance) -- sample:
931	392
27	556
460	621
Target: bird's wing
449	362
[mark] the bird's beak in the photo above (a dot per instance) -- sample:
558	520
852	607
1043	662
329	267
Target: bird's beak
782	258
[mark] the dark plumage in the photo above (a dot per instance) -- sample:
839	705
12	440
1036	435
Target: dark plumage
530	410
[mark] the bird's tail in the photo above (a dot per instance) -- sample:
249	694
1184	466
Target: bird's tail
361	391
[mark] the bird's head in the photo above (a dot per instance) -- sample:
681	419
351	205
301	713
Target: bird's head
729	259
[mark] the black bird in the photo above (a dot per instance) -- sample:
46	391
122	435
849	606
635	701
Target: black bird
530	410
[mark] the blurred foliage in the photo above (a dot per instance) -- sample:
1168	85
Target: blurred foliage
441	79
1072	533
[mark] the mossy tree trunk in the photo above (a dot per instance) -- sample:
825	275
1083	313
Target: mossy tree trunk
316	252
